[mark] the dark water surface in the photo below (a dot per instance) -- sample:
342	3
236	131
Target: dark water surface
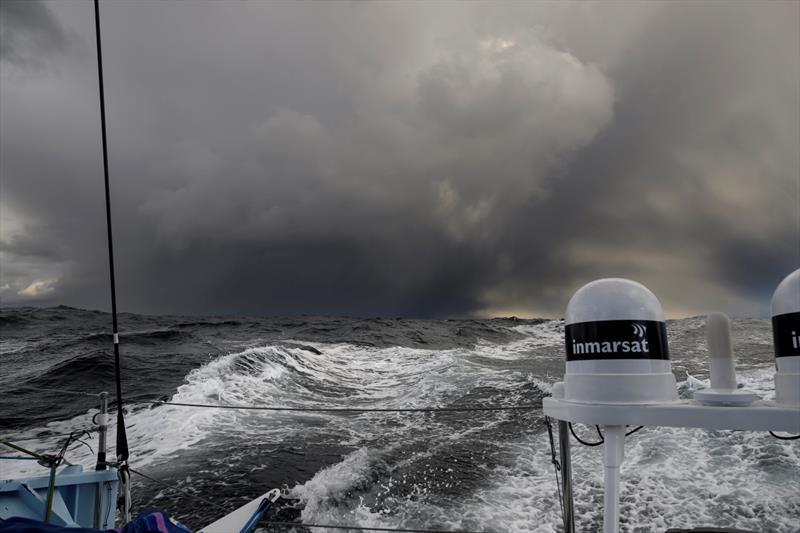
481	470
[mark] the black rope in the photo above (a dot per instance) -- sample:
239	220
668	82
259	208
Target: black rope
585	443
602	438
352	409
556	464
793	437
122	439
634	430
60	456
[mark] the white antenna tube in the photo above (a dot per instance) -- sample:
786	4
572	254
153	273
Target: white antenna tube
723	389
718	336
613	454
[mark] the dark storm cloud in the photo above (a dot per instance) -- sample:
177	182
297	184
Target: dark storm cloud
408	159
28	30
27	245
694	188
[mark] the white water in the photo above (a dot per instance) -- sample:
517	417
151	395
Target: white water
671	477
283	375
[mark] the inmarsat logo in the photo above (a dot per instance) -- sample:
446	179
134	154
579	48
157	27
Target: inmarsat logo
785	329
638	346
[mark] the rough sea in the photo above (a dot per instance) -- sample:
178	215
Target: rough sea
478	471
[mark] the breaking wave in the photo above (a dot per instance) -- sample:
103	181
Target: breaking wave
433	470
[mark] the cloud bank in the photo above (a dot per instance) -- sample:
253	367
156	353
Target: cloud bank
401	158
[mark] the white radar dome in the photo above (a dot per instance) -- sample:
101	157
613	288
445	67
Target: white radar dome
616	345
613	299
786	338
786	298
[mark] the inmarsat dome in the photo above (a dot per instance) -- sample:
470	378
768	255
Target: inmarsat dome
786	298
616	345
786	338
613	299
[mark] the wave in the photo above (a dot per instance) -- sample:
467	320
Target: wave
303	374
663	486
487	470
11	320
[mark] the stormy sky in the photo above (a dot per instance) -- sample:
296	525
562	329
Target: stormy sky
400	159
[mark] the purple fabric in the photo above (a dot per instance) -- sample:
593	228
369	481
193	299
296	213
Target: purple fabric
153	521
150	521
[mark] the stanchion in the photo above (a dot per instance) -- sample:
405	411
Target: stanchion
566	477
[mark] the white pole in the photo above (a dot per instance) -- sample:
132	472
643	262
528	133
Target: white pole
566	477
613	453
718	339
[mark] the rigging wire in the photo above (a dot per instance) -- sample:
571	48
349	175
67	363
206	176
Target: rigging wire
48	459
48	436
122	439
523	407
62	391
20	449
176	488
463	408
75	436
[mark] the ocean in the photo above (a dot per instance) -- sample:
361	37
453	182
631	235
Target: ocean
477	471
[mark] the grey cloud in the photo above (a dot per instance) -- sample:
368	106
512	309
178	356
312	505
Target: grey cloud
28	30
689	168
415	159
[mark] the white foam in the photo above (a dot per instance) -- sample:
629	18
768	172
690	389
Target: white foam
323	494
273	375
731	479
546	334
747	480
672	477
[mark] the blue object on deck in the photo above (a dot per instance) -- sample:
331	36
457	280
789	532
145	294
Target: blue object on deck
251	524
81	499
